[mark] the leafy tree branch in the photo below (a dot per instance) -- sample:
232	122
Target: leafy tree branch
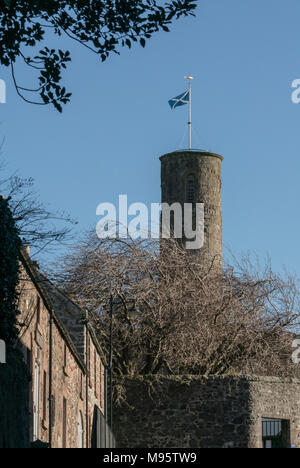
101	26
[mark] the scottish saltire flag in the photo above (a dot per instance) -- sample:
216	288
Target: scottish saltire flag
180	100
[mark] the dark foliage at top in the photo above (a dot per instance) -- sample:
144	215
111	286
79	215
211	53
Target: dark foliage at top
9	272
102	26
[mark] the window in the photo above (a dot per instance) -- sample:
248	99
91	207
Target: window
65	356
45	396
36	397
65	360
190	189
29	367
101	388
81	386
38	309
276	433
95	372
80	430
90	431
89	364
28	359
64	423
52	410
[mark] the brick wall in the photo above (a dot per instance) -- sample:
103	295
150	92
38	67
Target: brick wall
68	369
66	390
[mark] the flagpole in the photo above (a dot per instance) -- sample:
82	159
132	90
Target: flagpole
190	115
190	78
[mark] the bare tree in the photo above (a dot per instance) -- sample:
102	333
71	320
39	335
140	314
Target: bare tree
38	225
172	315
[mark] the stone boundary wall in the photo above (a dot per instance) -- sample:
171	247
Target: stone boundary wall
14	400
273	397
200	412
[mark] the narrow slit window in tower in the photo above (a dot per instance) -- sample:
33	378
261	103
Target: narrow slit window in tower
190	189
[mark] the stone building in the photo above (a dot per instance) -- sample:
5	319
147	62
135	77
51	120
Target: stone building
66	364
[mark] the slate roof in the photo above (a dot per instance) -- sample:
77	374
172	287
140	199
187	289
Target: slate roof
69	317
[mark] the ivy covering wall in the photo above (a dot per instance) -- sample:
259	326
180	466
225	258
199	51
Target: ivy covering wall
10	245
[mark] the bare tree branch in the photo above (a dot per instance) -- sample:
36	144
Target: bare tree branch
172	315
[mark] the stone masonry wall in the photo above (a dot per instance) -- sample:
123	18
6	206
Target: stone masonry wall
14	386
205	169
68	374
214	412
274	398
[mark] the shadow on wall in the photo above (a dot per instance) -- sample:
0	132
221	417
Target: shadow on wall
14	402
184	412
102	436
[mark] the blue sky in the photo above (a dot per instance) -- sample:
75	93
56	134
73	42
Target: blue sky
244	57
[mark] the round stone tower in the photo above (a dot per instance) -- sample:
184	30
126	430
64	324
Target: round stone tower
194	176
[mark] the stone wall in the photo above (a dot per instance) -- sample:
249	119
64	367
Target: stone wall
199	412
14	387
275	398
